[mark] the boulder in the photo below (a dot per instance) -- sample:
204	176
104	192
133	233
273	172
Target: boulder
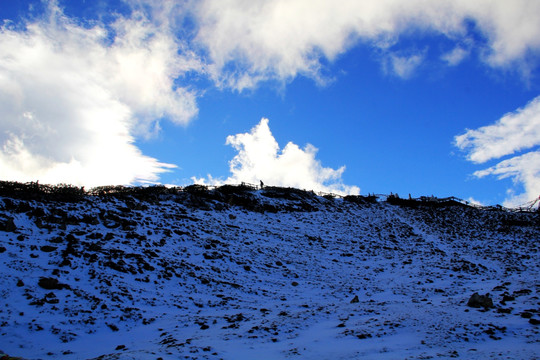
49	283
480	301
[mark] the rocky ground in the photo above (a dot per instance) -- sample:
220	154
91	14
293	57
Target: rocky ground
237	273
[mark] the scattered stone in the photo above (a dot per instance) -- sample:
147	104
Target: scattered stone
480	301
294	283
534	321
522	292
355	299
507	297
50	298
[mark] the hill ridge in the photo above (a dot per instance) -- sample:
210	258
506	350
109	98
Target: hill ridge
235	273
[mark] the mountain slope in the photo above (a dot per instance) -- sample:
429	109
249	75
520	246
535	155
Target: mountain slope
237	273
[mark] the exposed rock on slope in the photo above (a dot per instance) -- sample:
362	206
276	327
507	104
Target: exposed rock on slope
237	273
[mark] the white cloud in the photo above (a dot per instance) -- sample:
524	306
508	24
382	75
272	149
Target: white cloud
73	98
280	39
259	158
456	56
514	132
403	66
511	28
524	170
473	201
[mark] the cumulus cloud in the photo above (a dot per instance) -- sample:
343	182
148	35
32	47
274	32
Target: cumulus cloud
260	158
74	97
253	41
514	132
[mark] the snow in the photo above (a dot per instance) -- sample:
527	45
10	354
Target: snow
244	276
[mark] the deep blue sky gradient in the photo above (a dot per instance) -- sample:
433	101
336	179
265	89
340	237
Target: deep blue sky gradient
393	135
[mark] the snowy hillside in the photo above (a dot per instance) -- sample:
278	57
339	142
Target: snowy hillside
236	273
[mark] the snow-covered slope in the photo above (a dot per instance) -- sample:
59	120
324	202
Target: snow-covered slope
267	274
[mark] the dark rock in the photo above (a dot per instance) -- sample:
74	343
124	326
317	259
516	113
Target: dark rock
7	224
2	249
355	299
51	284
48	248
507	297
522	292
479	301
20	283
534	321
526	315
50	298
212	255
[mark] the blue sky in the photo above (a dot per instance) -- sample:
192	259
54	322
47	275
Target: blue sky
369	97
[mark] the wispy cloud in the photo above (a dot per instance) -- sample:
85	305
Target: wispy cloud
524	171
260	158
514	132
455	56
73	98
